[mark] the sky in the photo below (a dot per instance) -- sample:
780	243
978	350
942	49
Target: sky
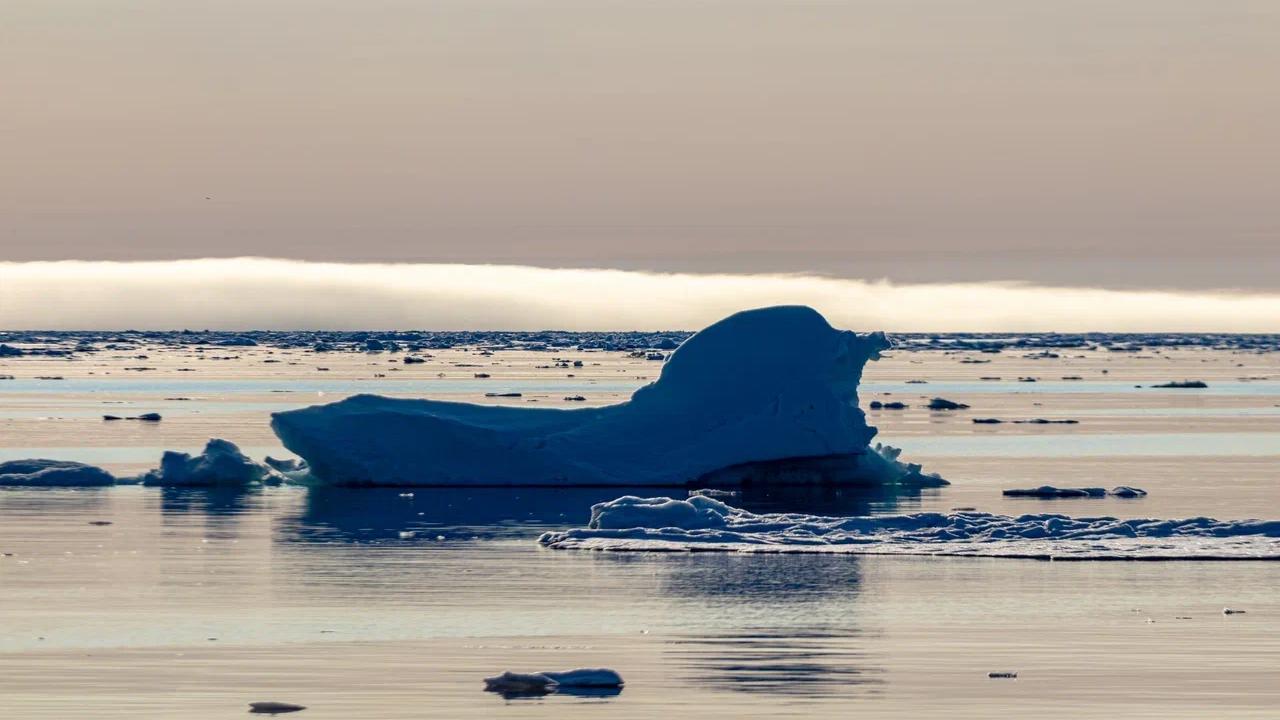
1126	146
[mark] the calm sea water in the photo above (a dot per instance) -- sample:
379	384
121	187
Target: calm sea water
194	603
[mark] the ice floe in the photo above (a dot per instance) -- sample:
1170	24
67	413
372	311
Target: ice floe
747	399
704	523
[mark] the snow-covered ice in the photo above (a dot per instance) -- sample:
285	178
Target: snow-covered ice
703	523
52	473
763	386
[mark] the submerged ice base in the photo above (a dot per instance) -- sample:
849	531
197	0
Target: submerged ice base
704	523
751	398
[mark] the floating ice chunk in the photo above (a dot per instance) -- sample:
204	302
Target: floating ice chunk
1124	491
285	465
274	708
586	678
221	463
53	473
1049	491
549	682
945	404
775	385
697	512
714	493
519	683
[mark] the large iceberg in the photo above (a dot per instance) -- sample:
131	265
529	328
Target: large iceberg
767	395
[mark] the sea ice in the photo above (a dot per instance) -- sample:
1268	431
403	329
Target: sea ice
53	473
763	387
703	523
221	464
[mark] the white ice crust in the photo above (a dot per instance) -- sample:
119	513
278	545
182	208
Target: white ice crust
703	523
765	385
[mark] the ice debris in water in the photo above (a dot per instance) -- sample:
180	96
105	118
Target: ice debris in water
772	385
704	523
549	682
1051	492
274	708
53	473
221	464
285	464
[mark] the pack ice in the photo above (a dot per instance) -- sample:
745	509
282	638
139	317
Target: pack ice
763	395
704	523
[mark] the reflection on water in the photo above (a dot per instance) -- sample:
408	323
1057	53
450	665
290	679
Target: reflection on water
811	663
216	503
362	515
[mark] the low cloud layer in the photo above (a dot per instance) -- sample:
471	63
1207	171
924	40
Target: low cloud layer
247	293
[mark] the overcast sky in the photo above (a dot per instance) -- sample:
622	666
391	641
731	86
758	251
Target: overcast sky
1091	142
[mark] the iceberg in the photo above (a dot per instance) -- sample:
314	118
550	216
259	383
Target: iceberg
766	395
53	473
704	523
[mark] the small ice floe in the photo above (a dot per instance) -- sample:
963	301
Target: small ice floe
1183	385
543	683
1124	491
1049	491
145	417
1003	675
406	495
274	708
945	404
1232	611
407	534
53	473
285	464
